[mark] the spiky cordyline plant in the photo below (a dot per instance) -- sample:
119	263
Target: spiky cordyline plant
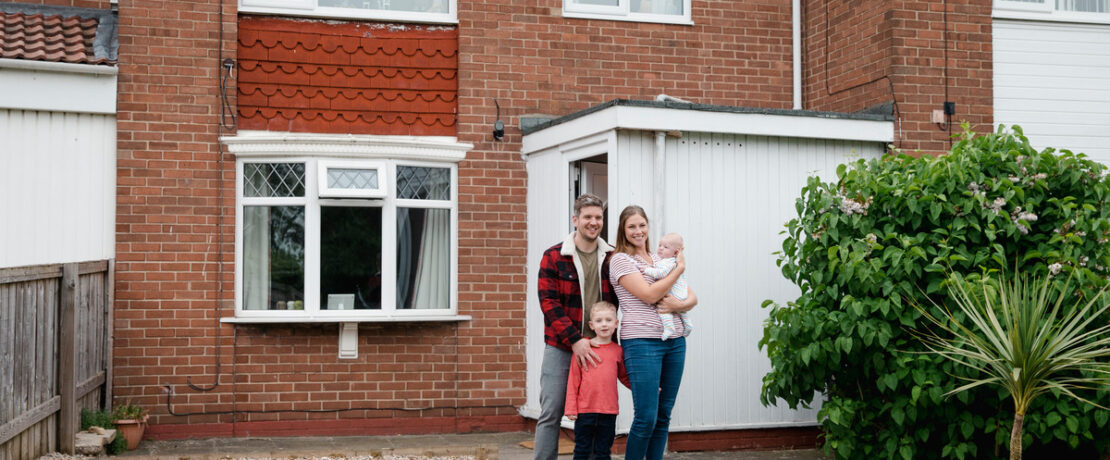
1017	336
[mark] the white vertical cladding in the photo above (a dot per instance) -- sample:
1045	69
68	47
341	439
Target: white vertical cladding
1053	79
729	196
57	187
548	222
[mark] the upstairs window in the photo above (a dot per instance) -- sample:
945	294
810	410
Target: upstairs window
1096	11
661	11
427	11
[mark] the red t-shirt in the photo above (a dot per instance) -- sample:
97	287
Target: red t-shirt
595	391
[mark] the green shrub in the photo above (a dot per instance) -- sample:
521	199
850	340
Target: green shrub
887	235
118	445
104	419
91	418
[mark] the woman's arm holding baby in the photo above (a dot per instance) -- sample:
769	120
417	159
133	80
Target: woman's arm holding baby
671	304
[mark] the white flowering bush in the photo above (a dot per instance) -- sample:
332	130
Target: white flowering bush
889	234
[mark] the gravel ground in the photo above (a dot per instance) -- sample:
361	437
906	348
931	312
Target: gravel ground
58	456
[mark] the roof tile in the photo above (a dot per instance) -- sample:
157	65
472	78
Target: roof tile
358	78
53	38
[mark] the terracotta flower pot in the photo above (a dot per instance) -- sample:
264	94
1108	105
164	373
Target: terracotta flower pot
132	430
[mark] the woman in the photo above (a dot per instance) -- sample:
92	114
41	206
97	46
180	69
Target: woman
654	366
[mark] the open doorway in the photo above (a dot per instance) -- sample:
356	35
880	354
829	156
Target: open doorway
591	175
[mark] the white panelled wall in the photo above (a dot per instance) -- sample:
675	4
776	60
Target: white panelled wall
57	187
1053	79
729	195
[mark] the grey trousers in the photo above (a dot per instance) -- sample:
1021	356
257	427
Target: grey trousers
553	395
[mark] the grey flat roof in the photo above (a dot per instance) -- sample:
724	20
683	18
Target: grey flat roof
704	108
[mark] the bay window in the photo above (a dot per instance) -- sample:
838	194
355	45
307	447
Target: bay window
342	238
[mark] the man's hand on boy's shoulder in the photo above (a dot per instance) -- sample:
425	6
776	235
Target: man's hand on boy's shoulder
585	355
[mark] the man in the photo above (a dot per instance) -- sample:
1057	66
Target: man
572	275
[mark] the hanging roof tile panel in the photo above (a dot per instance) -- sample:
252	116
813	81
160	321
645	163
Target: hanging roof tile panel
358	78
37	36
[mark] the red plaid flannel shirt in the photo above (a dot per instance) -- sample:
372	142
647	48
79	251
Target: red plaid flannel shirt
561	297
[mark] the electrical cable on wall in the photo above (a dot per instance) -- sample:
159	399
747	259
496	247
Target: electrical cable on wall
949	107
227	121
829	92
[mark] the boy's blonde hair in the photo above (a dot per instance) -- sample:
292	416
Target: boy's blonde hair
602	305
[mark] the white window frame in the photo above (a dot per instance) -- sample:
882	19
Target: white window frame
622	12
329	192
1044	11
311	8
317	152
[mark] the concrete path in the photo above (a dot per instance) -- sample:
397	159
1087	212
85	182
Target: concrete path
499	446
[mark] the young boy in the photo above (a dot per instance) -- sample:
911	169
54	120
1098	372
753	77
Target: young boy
669	246
592	394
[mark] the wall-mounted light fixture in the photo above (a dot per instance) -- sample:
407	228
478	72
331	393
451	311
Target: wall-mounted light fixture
498	126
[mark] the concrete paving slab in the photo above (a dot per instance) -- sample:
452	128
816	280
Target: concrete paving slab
494	446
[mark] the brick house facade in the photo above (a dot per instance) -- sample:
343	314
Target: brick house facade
176	192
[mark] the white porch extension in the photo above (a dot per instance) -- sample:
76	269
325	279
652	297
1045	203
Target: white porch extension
730	178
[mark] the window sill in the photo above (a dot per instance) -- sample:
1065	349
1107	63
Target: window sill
345	319
1053	16
653	19
354	15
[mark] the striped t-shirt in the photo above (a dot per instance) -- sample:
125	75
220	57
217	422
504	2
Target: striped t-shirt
638	319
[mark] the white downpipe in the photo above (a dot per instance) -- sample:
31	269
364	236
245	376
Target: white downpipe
659	187
797	41
659	164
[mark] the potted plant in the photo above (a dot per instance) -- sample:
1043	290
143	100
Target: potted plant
131	422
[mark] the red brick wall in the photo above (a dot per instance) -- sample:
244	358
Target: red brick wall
168	181
902	41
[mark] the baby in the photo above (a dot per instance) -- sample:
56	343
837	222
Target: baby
669	246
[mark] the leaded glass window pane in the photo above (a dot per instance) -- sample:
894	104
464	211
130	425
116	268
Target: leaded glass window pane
273	179
421	183
352	178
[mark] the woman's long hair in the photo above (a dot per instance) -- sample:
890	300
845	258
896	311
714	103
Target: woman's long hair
622	241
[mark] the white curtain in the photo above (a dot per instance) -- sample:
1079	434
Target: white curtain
256	257
1088	6
433	269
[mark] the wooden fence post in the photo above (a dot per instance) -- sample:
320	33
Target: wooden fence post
109	334
67	350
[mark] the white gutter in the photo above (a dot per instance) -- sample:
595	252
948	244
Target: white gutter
797	41
58	67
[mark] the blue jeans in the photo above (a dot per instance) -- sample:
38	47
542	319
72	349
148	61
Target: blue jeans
655	371
593	436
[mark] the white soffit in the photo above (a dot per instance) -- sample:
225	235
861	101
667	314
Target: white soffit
668	119
57	87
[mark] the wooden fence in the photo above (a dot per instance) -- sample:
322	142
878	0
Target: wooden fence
55	353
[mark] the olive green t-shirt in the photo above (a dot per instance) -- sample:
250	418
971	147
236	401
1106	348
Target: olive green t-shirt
591	287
